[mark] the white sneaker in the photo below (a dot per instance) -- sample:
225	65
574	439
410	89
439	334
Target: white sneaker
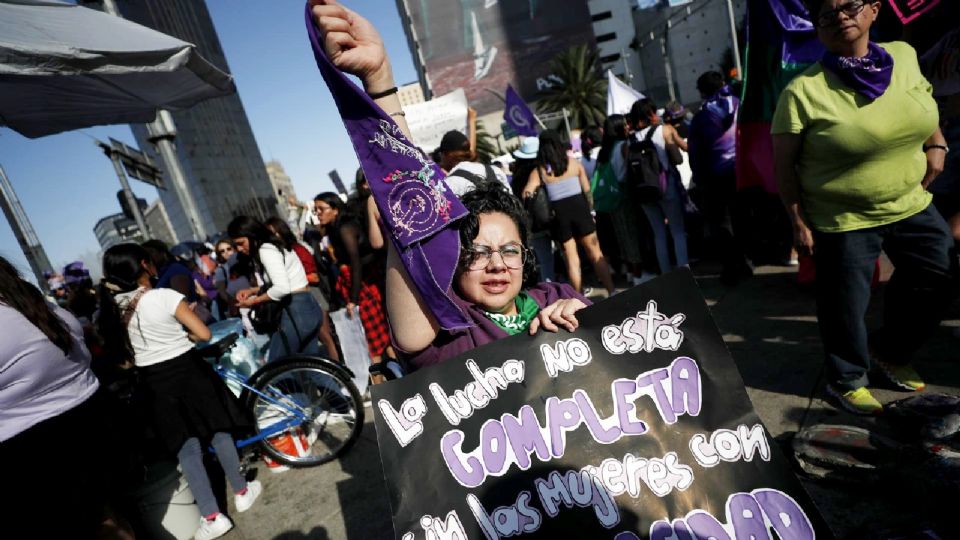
245	501
213	528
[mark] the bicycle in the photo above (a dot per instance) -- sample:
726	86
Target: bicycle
307	410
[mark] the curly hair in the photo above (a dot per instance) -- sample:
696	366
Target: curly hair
488	198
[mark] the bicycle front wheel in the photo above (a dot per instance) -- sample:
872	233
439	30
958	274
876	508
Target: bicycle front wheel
308	413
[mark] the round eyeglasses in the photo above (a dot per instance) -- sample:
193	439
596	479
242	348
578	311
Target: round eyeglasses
478	257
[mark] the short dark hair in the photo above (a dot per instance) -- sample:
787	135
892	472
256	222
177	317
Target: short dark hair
158	252
487	198
710	83
642	109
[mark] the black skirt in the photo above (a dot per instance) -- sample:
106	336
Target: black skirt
184	397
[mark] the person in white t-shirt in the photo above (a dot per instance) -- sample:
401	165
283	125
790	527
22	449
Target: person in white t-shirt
285	281
190	406
457	159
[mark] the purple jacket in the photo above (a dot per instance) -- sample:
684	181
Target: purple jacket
713	138
450	343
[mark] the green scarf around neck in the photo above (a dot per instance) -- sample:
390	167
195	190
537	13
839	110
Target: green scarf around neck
527	309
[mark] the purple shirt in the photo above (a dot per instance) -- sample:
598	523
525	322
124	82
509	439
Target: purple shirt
37	380
450	343
713	138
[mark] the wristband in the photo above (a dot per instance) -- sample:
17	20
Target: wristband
385	93
932	146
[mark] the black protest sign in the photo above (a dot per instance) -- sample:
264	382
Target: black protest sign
635	426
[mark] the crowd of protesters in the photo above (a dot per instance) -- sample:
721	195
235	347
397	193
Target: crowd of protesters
643	193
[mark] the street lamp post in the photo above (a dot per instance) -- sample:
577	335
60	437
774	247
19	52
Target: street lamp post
162	133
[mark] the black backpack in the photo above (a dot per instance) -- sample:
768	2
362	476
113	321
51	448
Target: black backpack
645	174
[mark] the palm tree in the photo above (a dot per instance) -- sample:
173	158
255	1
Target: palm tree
583	91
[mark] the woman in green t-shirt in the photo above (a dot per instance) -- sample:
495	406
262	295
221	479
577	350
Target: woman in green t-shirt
856	143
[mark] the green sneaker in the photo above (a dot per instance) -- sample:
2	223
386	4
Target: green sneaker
903	376
859	401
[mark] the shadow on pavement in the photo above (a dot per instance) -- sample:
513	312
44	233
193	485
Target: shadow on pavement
769	324
317	533
363	496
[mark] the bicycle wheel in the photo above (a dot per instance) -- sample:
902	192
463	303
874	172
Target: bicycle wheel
312	413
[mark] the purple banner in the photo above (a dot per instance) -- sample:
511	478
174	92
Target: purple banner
415	204
518	114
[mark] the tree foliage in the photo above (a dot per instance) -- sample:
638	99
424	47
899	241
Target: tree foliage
582	90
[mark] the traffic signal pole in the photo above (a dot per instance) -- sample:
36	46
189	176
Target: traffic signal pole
127	192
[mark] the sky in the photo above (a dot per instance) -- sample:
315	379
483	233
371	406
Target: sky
66	184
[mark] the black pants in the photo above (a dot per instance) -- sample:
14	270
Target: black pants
718	205
57	473
921	288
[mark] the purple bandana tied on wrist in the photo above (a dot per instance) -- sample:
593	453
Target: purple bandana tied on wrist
416	206
868	76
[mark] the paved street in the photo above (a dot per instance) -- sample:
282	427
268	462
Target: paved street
769	325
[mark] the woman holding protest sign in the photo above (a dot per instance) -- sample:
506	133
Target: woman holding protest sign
489	279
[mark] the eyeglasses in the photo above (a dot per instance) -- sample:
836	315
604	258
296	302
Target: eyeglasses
850	9
225	250
478	258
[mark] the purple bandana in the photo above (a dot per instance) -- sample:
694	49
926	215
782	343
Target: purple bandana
868	75
415	204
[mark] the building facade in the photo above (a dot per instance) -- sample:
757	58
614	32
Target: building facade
483	45
410	94
116	229
158	223
615	32
218	153
677	43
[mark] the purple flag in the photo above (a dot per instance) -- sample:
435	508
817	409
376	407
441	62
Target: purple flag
518	115
416	206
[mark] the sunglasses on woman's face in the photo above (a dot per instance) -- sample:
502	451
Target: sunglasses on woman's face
850	9
225	250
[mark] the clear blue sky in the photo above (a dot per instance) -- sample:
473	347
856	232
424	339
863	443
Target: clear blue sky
66	184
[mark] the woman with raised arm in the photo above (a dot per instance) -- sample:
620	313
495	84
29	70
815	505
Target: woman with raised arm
855	142
488	282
